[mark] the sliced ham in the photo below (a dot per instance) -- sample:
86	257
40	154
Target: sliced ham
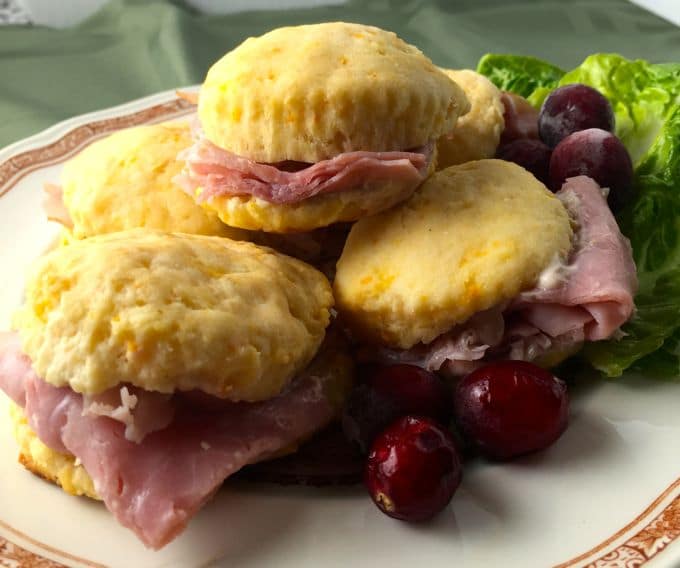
525	342
598	294
15	366
219	172
140	411
588	299
457	351
54	206
155	487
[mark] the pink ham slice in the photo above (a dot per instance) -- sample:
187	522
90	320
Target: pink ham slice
15	367
591	303
219	172
457	352
54	205
140	411
156	486
598	294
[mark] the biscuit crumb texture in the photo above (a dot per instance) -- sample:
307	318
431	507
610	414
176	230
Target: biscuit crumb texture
472	237
311	92
124	181
478	132
58	468
319	211
170	312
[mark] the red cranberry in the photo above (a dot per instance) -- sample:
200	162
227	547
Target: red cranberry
531	154
391	392
572	108
509	408
413	469
597	154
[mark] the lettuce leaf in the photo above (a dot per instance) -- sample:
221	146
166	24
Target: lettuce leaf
652	223
646	101
518	73
641	94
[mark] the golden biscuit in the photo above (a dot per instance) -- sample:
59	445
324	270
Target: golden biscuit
309	93
172	312
477	134
257	214
473	236
53	466
125	181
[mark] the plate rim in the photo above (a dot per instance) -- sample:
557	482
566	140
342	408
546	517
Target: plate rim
645	537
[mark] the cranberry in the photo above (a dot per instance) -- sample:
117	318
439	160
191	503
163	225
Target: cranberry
531	154
365	415
573	108
597	154
391	392
413	469
509	408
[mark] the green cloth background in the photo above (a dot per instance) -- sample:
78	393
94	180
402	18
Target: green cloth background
134	48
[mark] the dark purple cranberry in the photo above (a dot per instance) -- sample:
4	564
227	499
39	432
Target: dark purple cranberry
521	119
597	154
531	154
391	392
572	108
510	408
413	469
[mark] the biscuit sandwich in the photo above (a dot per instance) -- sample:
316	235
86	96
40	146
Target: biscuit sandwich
147	367
124	181
312	125
484	263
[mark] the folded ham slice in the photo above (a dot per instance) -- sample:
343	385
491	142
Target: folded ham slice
155	487
597	296
588	299
219	172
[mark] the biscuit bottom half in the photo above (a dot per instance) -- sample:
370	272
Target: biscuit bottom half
255	214
60	469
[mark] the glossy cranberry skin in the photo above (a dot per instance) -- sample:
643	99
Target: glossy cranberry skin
413	469
572	108
531	154
597	154
510	408
391	392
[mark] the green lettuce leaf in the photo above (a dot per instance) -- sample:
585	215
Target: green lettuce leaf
519	74
641	94
646	101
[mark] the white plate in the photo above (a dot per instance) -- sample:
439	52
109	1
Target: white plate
607	494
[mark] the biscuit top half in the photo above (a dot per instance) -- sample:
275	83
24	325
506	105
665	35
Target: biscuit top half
478	133
170	312
309	93
472	237
124	181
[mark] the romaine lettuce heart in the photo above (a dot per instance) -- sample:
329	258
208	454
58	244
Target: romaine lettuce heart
646	101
